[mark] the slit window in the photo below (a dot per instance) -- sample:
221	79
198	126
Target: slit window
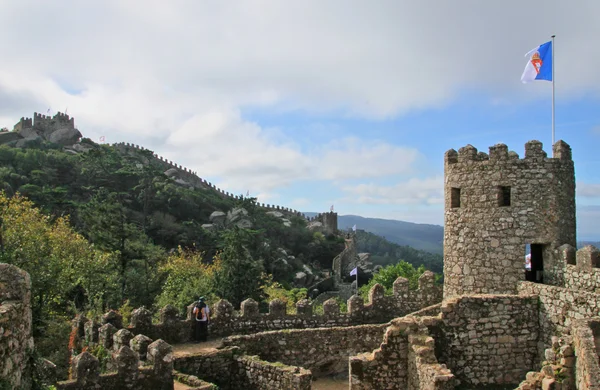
503	196
455	197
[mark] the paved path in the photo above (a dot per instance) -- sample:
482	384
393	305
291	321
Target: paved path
191	348
330	384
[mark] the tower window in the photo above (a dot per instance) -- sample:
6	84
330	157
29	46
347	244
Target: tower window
503	196
455	197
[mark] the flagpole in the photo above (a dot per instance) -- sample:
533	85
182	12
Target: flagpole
553	121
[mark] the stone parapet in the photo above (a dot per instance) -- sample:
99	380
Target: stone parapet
586	340
324	351
129	372
489	339
559	307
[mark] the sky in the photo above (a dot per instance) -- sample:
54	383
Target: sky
313	103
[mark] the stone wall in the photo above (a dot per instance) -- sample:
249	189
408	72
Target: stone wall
586	340
488	339
130	374
559	307
230	370
225	321
216	366
15	327
584	275
324	351
254	373
495	205
404	360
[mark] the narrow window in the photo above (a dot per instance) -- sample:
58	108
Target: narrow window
503	196
455	197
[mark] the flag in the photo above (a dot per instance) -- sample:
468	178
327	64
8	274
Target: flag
354	271
331	208
102	138
539	65
247	193
354	228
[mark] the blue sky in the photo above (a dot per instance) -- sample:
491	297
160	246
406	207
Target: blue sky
314	103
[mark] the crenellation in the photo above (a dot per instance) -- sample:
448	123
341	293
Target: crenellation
451	157
588	257
277	308
331	308
534	150
498	152
356	305
105	335
467	153
562	151
249	309
121	338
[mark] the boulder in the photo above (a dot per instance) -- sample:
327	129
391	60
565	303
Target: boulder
244	224
300	279
171	172
65	136
82	148
27	142
218	217
29	132
10	136
236	214
208	226
275	214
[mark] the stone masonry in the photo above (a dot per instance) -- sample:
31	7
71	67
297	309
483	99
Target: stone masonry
497	203
15	326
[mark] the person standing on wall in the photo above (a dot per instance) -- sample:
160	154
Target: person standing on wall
202	316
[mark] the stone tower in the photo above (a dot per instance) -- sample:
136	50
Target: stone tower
496	205
330	222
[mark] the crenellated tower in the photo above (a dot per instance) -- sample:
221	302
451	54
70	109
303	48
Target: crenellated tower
496	205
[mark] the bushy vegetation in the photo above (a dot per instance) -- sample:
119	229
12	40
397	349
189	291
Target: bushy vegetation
386	276
384	252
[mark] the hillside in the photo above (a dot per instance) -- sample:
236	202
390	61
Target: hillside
419	236
384	252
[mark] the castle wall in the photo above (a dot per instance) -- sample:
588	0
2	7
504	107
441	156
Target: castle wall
324	351
156	373
404	360
484	238
586	340
15	327
560	306
488	339
229	370
225	321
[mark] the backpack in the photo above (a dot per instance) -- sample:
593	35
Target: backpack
198	307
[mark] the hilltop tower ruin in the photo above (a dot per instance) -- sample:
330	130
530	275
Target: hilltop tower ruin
495	205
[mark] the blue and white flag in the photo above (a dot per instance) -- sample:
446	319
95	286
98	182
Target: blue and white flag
354	228
539	65
354	271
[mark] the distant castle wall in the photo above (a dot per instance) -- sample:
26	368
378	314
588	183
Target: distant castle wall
496	204
15	326
192	177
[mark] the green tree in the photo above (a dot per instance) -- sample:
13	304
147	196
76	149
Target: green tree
187	278
386	276
239	275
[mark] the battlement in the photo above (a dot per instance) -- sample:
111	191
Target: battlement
226	321
24	123
499	152
155	374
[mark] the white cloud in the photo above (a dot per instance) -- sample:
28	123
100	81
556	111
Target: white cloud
145	61
429	191
220	143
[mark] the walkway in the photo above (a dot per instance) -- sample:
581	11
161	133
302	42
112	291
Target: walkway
186	349
330	384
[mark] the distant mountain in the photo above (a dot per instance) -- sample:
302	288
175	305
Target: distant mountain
419	236
581	244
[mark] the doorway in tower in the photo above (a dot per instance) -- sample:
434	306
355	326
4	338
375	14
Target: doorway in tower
534	263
